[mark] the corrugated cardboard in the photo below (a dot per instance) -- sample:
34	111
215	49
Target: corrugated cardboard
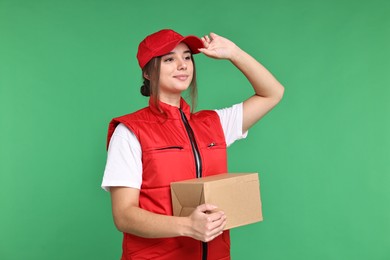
237	194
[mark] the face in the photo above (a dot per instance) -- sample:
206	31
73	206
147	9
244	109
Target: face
176	72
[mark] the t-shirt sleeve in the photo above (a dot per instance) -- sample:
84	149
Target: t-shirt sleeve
231	121
124	163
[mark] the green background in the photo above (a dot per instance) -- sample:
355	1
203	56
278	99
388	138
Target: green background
68	67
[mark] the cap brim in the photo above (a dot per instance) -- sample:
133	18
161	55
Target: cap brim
193	42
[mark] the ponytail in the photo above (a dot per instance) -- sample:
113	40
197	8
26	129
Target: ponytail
145	88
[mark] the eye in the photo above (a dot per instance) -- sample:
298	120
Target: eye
189	57
168	59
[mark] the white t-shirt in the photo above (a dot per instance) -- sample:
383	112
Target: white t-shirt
124	156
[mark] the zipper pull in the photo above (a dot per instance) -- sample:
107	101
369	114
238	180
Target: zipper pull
211	145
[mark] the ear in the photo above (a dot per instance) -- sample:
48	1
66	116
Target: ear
146	76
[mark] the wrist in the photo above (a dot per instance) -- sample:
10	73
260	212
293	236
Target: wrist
236	55
184	226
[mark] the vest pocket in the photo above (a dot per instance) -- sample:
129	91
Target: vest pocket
214	157
214	145
169	148
164	149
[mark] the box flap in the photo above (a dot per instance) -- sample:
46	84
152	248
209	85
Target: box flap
185	198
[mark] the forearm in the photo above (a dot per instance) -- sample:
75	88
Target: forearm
146	224
132	219
268	91
263	82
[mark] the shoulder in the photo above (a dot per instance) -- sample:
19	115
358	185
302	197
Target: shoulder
137	115
123	131
204	114
141	115
128	121
233	108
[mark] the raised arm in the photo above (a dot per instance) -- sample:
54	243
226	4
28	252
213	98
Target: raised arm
268	91
129	218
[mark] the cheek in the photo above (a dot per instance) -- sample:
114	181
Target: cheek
190	67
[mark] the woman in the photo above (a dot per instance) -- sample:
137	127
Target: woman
165	142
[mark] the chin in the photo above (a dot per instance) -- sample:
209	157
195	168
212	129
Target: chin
183	88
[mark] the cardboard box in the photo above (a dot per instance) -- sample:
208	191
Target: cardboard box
237	194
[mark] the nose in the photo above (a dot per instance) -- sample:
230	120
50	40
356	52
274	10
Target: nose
182	65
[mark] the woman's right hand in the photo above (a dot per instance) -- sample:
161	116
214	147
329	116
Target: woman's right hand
206	224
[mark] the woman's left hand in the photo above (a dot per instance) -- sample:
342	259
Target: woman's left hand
218	47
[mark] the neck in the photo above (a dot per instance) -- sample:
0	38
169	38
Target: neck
173	100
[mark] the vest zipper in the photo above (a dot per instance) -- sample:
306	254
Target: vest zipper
198	161
198	165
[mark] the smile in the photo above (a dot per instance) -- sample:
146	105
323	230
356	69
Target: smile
181	77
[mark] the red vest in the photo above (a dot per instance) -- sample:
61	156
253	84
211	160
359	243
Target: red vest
168	156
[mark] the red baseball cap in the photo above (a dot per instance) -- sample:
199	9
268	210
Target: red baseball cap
162	42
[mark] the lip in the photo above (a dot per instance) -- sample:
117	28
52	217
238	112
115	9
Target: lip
181	77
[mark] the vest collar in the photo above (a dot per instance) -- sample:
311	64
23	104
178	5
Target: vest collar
170	112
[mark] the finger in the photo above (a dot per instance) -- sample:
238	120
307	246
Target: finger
215	229
216	216
206	207
213	35
216	232
205	51
218	224
207	38
205	43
